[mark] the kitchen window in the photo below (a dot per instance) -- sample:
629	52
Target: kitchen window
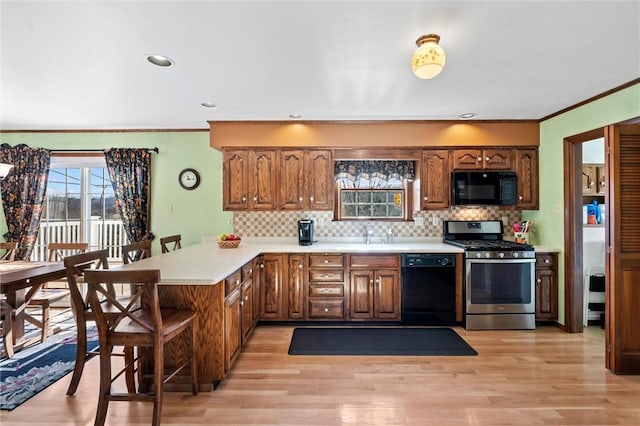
374	189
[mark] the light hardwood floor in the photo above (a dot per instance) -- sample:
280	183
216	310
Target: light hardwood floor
541	377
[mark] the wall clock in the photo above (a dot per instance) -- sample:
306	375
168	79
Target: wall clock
189	179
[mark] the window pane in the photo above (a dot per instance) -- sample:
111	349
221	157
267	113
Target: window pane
379	197
364	197
364	210
379	210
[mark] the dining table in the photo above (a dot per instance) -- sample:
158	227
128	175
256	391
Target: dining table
19	282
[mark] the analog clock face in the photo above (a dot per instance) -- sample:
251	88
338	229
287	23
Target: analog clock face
189	179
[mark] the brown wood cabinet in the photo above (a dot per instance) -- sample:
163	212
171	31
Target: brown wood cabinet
296	272
246	303
526	167
272	290
482	159
326	295
232	327
249	180
374	287
255	287
546	281
306	180
435	179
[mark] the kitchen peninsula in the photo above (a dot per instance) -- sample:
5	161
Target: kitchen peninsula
221	286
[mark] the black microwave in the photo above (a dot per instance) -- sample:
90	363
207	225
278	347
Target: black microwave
484	188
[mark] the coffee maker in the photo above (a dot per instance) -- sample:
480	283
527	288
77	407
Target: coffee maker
305	232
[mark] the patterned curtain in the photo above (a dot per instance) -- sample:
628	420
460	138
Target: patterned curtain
130	173
23	194
380	174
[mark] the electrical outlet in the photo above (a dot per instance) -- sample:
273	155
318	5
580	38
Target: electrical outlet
418	221
435	221
505	221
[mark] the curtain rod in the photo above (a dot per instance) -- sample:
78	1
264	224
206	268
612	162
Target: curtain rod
156	150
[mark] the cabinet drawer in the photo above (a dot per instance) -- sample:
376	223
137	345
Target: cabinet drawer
232	282
325	260
326	290
332	275
374	261
326	308
545	260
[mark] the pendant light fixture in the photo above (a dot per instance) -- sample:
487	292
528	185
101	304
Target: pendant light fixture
428	59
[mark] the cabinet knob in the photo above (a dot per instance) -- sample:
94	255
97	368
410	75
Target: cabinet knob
326	309
242	303
325	276
262	266
547	261
300	199
486	159
255	198
378	280
426	198
246	298
520	197
244	199
237	282
250	271
371	281
326	261
479	159
311	199
538	280
299	265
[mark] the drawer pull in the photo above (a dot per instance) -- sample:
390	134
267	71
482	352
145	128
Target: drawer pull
538	280
237	282
326	261
547	261
326	309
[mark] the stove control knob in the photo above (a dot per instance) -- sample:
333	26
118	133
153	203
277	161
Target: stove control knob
478	255
516	254
444	261
487	255
501	255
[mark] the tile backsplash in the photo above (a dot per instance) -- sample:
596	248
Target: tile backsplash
284	224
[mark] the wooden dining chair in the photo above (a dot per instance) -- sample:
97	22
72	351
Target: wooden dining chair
10	249
46	296
76	266
136	251
6	317
150	327
165	243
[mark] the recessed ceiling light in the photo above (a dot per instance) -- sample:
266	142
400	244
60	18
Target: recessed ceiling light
210	105
467	116
159	60
295	116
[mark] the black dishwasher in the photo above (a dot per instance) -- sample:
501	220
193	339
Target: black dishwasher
428	289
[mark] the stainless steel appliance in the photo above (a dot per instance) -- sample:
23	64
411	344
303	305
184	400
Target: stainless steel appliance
483	188
305	232
499	276
428	289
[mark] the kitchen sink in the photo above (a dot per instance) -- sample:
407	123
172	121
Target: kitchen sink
371	247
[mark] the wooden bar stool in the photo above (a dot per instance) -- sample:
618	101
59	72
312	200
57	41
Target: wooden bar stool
76	266
45	297
165	243
136	251
148	327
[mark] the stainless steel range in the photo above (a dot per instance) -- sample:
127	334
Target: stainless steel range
499	276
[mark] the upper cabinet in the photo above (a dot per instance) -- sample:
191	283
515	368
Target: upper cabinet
306	180
482	159
435	179
593	179
249	180
526	167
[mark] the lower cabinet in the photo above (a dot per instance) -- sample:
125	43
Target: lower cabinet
232	328
546	281
374	287
272	290
325	287
296	271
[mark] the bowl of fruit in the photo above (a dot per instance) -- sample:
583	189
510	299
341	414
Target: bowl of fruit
228	240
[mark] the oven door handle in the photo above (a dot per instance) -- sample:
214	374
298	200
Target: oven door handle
523	260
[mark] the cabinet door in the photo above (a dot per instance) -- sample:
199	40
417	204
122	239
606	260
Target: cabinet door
246	305
320	179
467	159
235	180
589	179
496	159
292	176
436	179
272	297
361	297
232	328
600	175
262	185
295	286
387	294
546	295
255	278
527	175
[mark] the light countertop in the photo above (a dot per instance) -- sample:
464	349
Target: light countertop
206	263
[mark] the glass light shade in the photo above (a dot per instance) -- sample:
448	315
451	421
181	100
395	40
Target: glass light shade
429	58
5	168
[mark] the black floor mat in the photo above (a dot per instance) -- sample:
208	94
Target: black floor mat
378	341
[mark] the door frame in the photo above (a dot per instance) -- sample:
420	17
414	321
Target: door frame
573	263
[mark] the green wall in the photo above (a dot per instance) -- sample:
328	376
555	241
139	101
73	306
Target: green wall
192	214
549	225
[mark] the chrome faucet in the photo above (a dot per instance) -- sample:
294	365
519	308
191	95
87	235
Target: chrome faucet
389	236
368	233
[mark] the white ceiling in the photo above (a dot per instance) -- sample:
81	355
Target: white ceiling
81	64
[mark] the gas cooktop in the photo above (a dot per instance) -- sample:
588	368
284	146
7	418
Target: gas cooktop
495	245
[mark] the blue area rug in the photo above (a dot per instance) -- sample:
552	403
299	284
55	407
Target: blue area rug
33	369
